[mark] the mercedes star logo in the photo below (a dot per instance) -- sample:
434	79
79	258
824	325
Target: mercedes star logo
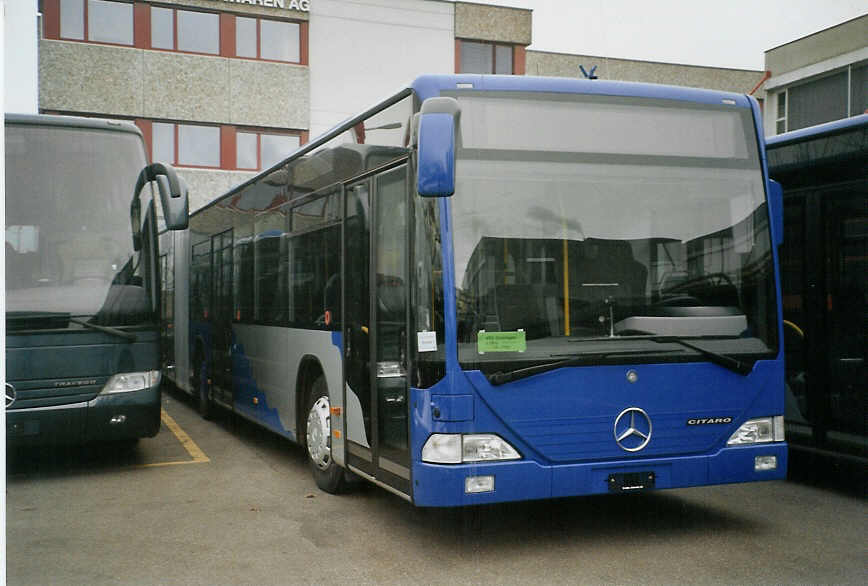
10	395
632	429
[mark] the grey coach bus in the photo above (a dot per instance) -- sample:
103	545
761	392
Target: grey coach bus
82	280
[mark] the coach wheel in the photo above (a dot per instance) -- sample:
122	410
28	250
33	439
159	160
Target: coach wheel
206	407
328	475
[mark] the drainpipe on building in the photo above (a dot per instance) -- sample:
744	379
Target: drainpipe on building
759	84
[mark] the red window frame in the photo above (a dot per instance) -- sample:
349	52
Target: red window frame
302	39
259	132
228	142
51	10
519	54
142	30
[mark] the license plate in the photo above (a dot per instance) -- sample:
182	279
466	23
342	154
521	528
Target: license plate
631	481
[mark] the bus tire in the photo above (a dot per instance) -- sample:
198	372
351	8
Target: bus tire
203	392
326	473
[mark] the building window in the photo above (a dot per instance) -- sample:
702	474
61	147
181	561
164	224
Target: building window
818	101
835	96
261	150
219	147
100	21
185	30
147	26
859	89
273	40
781	121
187	145
481	57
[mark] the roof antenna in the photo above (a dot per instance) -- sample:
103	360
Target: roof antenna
589	74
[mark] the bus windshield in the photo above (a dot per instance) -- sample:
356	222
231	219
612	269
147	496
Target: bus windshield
583	218
69	251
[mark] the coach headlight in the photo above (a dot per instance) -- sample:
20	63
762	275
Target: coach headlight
456	448
758	431
131	381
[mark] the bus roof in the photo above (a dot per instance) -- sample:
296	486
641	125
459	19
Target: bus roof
818	131
822	154
428	86
73	122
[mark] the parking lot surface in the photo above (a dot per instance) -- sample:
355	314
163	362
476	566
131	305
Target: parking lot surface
223	502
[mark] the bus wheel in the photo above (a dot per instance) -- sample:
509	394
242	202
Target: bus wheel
203	392
327	474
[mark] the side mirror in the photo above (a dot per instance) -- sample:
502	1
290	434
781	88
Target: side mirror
435	138
776	211
174	196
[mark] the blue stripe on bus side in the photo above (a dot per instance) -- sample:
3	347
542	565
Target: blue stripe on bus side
249	399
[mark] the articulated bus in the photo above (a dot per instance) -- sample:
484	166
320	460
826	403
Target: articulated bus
497	288
824	262
82	288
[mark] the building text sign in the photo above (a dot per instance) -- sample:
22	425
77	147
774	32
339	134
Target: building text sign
301	5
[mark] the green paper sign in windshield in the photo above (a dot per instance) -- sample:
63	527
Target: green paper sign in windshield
501	342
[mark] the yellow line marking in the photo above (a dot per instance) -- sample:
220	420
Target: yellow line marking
197	455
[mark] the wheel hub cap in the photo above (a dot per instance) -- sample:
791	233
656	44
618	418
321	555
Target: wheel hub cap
319	433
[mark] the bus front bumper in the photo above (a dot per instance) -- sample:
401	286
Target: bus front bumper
111	417
450	485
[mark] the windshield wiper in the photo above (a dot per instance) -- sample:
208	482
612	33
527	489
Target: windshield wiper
128	336
728	362
499	378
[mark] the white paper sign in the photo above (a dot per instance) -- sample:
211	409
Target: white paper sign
426	341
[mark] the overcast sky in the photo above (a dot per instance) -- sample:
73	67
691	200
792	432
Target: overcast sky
728	33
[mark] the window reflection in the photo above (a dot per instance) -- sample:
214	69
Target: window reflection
198	32
110	22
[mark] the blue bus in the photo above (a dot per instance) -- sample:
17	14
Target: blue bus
497	288
824	262
82	284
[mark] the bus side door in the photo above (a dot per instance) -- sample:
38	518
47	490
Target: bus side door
376	245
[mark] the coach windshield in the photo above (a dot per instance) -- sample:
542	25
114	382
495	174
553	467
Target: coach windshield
69	249
578	220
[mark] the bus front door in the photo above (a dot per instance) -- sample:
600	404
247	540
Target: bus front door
375	304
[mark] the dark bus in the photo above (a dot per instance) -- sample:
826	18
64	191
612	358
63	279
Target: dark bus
82	280
824	274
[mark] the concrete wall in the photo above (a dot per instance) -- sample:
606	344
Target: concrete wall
493	23
564	65
826	44
361	51
123	81
206	184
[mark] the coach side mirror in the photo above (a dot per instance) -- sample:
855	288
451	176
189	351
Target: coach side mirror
776	211
174	196
435	134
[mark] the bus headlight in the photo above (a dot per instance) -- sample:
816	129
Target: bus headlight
758	431
456	448
131	381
